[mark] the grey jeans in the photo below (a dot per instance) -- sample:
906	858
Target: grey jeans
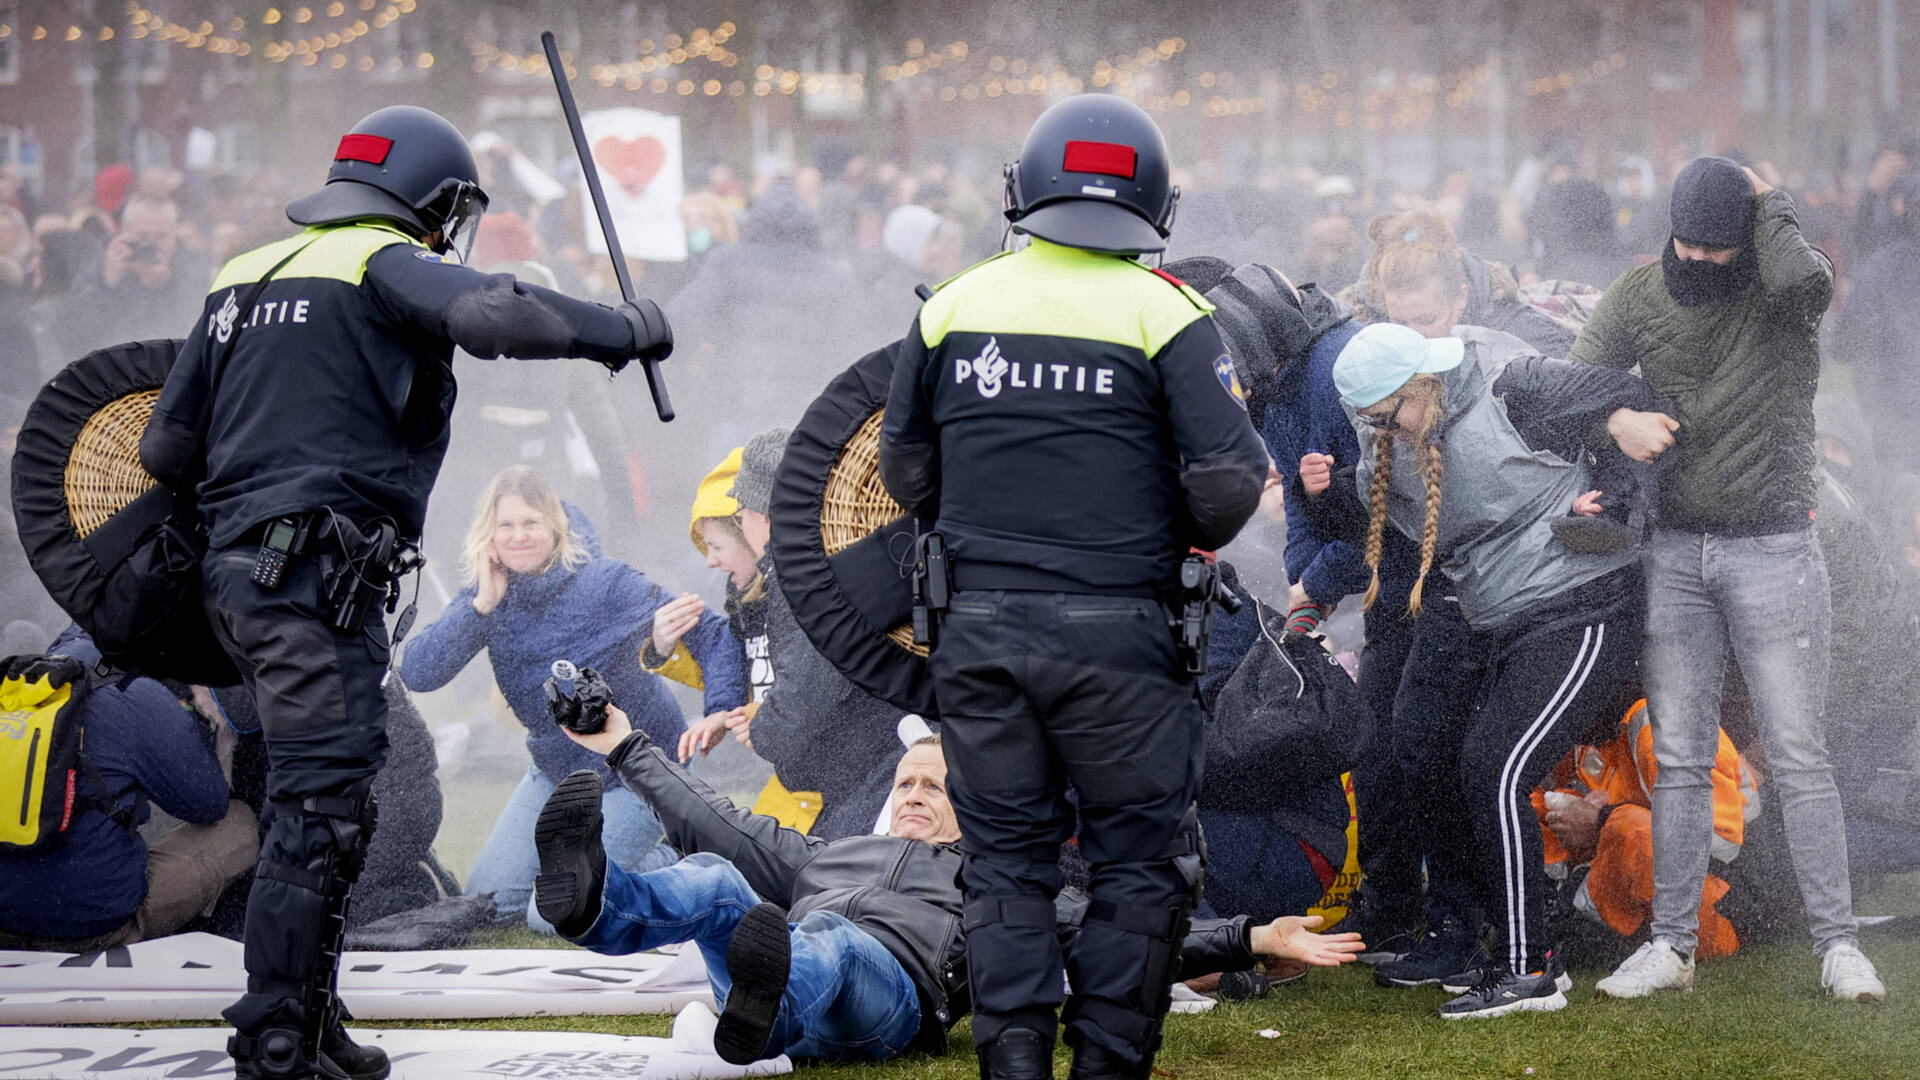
1765	597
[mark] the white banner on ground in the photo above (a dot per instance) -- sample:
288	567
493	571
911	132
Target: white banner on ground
194	976
638	155
176	1053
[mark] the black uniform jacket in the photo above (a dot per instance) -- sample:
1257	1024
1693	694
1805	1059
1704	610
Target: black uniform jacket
1073	422
339	388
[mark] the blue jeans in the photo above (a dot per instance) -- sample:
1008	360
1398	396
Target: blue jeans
509	863
847	998
1765	597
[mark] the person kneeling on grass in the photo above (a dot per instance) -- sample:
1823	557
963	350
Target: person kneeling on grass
844	950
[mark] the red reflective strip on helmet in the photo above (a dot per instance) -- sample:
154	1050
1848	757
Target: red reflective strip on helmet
371	149
1105	158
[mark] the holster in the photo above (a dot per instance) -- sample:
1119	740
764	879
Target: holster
1190	616
932	586
360	569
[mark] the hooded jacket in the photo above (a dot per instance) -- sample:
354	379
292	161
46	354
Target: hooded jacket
1503	488
598	615
905	893
1741	373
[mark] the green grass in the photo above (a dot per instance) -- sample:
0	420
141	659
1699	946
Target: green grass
1758	1014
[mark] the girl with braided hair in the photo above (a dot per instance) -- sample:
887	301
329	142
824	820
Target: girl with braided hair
1477	446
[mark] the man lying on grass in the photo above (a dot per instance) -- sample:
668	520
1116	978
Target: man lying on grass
845	950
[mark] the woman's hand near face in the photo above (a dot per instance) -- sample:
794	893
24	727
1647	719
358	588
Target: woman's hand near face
492	584
674	618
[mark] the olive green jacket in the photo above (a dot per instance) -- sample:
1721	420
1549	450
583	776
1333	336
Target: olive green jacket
1738	373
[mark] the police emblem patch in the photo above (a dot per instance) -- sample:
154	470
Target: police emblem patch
1230	379
430	256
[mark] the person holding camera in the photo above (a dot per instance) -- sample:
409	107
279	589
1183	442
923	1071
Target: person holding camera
309	409
539	590
138	287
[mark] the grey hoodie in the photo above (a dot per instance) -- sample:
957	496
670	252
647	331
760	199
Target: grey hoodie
1498	496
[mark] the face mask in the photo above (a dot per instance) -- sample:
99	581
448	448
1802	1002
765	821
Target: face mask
1696	281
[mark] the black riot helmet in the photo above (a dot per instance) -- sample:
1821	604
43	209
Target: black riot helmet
406	165
1094	175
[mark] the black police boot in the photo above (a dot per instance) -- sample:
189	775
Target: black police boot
1092	1061
1017	1054
358	1062
573	865
275	1053
758	960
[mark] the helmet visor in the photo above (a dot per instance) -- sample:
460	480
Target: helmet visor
459	205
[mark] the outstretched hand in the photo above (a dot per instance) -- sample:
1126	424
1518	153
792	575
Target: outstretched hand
1292	937
1588	505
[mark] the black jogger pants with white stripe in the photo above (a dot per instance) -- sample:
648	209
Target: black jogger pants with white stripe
1547	683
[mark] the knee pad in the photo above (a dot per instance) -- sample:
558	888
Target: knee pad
338	829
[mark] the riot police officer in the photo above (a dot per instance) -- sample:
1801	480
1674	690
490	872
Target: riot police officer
1071	420
311	403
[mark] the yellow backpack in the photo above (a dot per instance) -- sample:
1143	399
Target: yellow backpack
43	762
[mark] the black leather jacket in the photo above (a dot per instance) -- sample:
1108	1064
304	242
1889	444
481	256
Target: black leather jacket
903	892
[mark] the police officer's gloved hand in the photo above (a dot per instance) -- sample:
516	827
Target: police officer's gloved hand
652	336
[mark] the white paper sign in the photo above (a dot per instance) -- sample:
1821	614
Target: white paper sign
195	976
131	1054
638	155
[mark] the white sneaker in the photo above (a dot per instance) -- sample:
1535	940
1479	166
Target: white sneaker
1654	966
1848	975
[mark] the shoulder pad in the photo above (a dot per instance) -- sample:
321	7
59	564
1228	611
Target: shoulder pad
1192	294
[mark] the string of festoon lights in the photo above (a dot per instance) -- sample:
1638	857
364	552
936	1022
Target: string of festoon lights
700	64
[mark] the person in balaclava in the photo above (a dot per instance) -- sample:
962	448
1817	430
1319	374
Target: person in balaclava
1726	328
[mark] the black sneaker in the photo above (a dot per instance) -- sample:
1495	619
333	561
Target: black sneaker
573	865
357	1061
1466	980
757	961
1502	992
1385	939
1445	950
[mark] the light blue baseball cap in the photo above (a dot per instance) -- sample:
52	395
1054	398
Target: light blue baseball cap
1382	357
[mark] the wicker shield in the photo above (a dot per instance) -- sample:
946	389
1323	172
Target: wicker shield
843	547
106	539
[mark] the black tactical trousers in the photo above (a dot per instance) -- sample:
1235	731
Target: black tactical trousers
1036	691
324	718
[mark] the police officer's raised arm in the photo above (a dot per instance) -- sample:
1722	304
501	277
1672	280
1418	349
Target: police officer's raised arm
909	445
495	315
1223	464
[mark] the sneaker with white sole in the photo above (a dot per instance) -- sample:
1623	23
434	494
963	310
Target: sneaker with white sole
1848	975
1652	967
1502	993
1467	980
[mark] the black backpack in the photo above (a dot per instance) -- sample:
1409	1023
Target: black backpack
1288	715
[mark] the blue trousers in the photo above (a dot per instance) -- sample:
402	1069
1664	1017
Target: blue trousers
509	862
847	998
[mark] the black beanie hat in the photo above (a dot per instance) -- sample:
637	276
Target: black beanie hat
1713	203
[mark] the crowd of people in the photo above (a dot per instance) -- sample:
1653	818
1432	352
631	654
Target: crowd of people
1523	432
